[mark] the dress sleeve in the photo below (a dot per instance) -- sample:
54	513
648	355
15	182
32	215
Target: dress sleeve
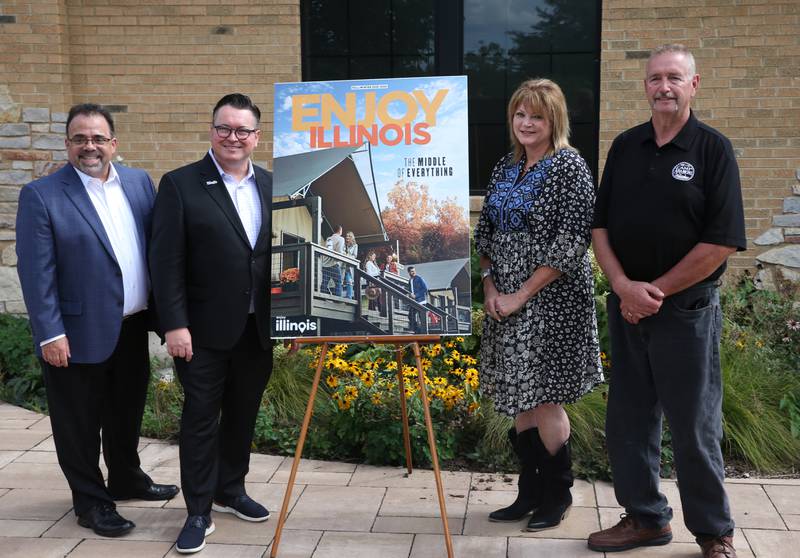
484	228
573	199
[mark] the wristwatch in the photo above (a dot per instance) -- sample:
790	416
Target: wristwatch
485	273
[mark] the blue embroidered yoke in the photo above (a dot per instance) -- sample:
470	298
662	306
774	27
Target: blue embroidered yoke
512	198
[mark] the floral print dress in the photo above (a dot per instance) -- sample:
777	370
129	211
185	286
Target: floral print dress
548	351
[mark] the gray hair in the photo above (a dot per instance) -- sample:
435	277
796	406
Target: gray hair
677	48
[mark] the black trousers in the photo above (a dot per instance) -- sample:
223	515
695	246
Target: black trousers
222	395
85	399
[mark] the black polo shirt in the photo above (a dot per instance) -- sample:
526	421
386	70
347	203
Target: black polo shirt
659	202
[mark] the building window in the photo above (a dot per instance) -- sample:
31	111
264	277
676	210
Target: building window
497	43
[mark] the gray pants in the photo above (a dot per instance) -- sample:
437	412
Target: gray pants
669	363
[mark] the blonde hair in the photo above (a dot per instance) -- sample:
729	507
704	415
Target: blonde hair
543	96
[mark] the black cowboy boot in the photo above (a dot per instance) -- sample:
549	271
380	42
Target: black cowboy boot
557	478
528	447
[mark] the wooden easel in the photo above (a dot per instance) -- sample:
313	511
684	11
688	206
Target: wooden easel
399	342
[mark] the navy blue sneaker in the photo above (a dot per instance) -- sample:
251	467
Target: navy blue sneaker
194	533
242	507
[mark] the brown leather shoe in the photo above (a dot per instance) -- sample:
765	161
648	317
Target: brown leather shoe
629	534
721	547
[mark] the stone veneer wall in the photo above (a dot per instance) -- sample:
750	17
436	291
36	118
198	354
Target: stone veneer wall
779	266
31	145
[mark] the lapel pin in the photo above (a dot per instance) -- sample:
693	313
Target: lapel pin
210	182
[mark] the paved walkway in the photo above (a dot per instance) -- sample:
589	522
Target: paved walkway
341	510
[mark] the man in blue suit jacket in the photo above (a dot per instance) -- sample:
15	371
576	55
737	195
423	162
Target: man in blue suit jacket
82	237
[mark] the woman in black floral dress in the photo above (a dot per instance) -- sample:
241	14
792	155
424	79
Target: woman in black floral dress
539	348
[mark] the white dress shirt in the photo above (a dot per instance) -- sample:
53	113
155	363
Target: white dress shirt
244	195
114	210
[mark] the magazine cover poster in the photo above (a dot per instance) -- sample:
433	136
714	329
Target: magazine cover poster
371	208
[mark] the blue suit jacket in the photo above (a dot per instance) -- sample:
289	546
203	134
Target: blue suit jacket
70	278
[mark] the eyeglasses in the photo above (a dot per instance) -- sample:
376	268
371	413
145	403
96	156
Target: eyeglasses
241	133
83	140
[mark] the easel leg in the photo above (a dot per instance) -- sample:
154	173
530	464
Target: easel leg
401	385
432	445
299	451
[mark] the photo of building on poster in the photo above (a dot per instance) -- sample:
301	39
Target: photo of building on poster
370	205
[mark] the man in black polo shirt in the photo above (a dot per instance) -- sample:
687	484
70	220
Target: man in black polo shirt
668	214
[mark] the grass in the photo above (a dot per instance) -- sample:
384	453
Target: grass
756	431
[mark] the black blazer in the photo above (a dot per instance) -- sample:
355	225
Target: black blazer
202	268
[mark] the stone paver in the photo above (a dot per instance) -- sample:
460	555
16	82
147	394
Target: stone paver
336	508
7	456
33	475
363	545
786	499
105	548
33	456
215	550
312	471
346	510
25	547
423	502
23	527
369	475
792	522
526	548
296	544
431	546
23	503
17	424
42	424
431	525
752	508
21	439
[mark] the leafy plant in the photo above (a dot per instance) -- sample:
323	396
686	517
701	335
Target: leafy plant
21	381
791	404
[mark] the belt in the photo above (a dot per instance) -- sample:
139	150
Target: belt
139	314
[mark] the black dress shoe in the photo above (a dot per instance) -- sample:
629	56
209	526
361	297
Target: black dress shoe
104	520
152	492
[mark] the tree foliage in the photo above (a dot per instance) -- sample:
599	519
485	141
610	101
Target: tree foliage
427	229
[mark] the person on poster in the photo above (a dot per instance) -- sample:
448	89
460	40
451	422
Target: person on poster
210	265
669	213
331	267
419	289
540	348
82	236
374	293
351	249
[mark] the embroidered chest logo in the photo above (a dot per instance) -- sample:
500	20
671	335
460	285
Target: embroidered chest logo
683	171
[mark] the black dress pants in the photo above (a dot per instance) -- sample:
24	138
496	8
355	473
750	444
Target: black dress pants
85	399
222	395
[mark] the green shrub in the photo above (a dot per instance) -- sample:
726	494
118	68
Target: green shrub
162	411
21	381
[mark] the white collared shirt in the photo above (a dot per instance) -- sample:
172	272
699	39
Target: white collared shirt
245	198
244	195
116	216
113	207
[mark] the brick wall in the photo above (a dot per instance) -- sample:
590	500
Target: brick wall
748	57
159	66
162	65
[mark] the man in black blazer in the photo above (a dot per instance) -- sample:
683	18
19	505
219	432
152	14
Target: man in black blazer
210	266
